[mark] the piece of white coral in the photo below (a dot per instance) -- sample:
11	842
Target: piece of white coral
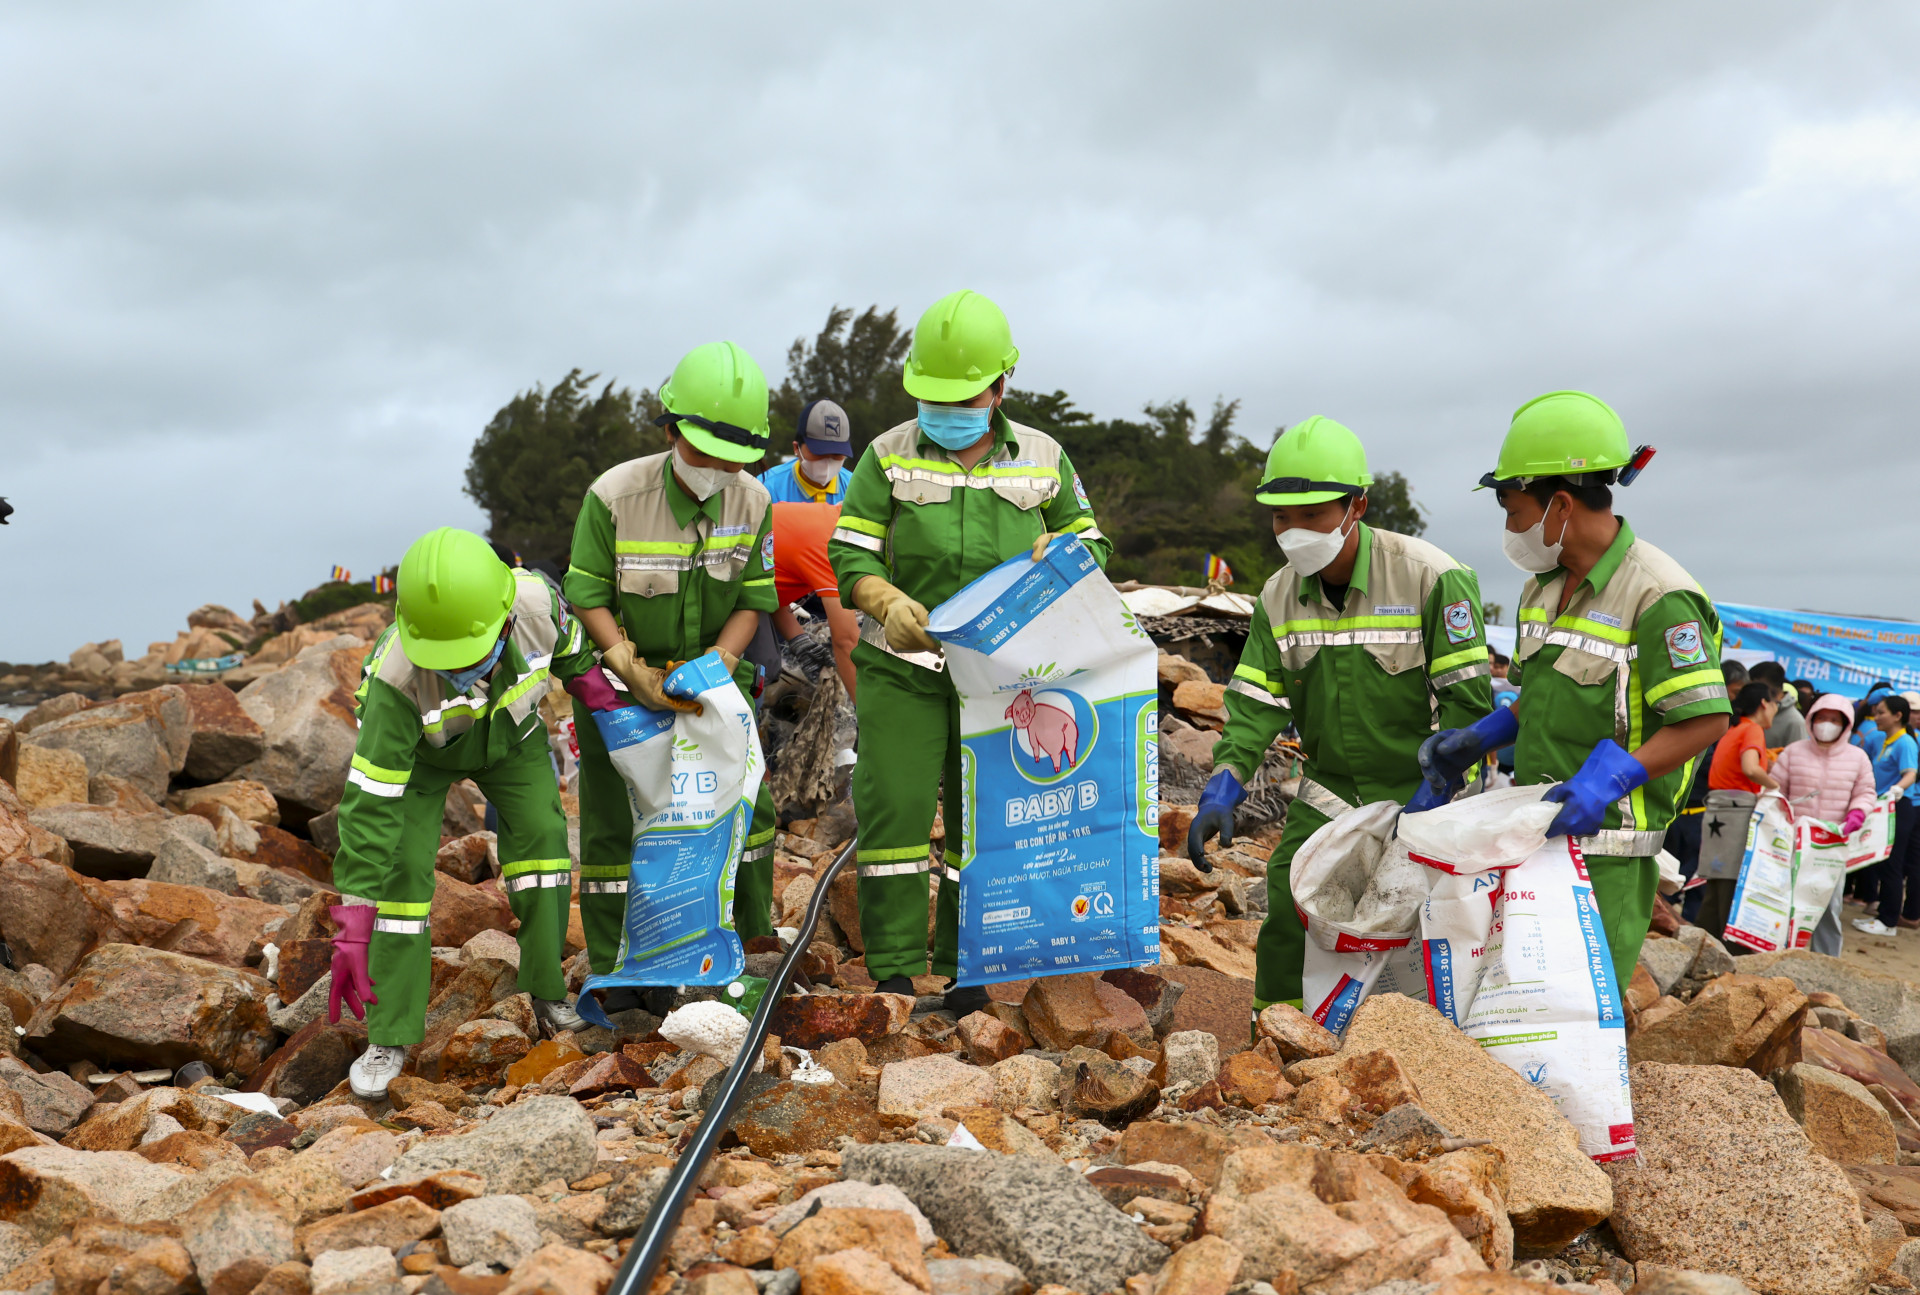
711	1029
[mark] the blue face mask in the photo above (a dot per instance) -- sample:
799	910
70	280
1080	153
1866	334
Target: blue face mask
953	427
465	679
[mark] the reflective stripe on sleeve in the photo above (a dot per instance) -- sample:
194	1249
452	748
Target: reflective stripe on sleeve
374	786
1454	660
872	544
1463	674
1247	688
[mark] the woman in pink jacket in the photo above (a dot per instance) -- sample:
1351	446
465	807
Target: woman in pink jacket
1825	775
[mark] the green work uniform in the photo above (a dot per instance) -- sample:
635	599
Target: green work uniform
1365	683
1637	646
418	736
917	519
672	568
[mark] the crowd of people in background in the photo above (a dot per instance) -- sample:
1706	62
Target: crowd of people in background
1830	757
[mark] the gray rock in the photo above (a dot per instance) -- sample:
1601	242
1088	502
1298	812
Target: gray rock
1042	1218
777	1281
116	844
629	1200
526	1144
54	1102
1655	1280
1404	1131
306	1009
1402	1287
979	1276
1907	1261
16	1247
490	1230
142	738
1193	1057
1712	960
854	1196
306	712
235	1234
362	1270
185	862
1666	961
1887	1001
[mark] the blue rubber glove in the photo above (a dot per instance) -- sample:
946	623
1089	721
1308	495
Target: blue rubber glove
1214	815
1608	774
1447	756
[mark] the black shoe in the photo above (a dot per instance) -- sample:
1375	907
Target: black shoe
965	1000
895	985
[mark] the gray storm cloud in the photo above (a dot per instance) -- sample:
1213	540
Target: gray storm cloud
266	271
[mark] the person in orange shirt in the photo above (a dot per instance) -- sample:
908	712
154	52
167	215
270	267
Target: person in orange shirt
801	569
1740	759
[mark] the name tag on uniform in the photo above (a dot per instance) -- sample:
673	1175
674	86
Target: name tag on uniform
1606	618
1394	611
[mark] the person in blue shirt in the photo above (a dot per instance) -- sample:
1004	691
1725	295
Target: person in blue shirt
1894	770
1866	733
818	472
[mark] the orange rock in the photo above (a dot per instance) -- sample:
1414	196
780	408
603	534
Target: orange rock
888	1235
541	1060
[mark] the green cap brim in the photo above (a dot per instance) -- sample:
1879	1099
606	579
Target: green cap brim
1310	497
448	654
707	443
923	386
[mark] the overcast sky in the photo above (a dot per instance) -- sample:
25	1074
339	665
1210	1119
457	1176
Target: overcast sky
265	270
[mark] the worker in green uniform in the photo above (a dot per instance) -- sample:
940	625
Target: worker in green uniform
673	558
1619	651
933	504
452	690
1361	639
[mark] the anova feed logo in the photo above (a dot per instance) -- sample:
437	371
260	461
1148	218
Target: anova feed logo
1053	731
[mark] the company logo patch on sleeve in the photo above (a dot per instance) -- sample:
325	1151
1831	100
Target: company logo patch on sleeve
766	550
1080	491
1686	645
1459	621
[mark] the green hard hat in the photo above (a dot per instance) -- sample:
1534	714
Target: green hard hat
1560	434
719	396
960	346
1312	462
452	596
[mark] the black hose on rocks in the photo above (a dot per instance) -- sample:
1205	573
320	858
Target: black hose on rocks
650	1243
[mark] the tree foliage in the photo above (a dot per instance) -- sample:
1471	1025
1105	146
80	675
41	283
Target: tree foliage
854	361
533	463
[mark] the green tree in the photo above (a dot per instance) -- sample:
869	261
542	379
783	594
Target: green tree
532	464
1391	506
854	361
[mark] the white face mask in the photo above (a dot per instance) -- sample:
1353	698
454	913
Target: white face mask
701	483
1529	549
820	471
1311	552
1827	730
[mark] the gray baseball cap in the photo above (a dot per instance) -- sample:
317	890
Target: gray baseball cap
824	429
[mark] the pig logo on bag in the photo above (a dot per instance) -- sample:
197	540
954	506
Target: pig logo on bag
1052	732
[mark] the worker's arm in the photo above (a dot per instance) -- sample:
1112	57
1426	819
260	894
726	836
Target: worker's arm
371	818
590	581
756	593
785	623
738	632
845	627
572	650
1679	661
857	547
1751	765
1458	670
1070	513
1255	716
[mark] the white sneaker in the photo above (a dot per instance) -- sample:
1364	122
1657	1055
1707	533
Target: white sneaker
558	1014
377	1067
1872	926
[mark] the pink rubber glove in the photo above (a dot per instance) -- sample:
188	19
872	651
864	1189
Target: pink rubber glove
352	981
593	690
1855	818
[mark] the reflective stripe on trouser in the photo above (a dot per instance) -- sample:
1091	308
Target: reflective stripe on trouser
606	853
909	746
532	842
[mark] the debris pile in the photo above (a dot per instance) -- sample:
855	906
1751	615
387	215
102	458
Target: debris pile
175	1117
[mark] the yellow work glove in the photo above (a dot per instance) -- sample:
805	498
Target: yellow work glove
1040	545
903	619
727	658
642	680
